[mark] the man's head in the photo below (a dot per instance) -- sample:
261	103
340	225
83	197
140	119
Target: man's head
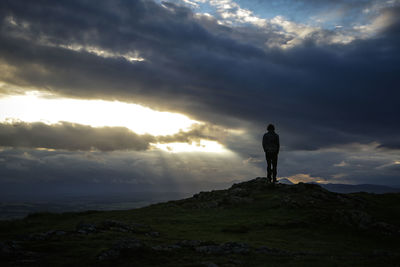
271	128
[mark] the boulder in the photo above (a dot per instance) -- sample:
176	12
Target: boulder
120	247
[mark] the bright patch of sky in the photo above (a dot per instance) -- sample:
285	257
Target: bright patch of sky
327	14
39	107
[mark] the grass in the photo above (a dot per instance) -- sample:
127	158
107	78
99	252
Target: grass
265	221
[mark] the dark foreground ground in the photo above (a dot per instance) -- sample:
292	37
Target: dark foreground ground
250	224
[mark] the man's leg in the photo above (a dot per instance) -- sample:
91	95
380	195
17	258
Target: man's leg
274	160
269	161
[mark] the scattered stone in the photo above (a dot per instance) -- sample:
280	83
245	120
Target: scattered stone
382	253
43	236
237	248
272	251
11	251
209	264
189	243
86	228
60	233
166	247
385	228
117	226
121	247
153	234
237	191
9	248
109	254
237	200
210	249
113	225
357	218
226	248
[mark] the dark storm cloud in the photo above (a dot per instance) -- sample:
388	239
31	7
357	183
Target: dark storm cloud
319	95
36	172
71	136
195	134
74	137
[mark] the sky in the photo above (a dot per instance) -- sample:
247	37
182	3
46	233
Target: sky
149	95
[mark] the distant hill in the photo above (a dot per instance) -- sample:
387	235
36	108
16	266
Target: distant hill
253	223
350	188
285	181
369	188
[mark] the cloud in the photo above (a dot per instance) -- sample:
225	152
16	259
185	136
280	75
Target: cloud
195	66
319	93
304	178
78	137
341	164
71	172
195	134
71	137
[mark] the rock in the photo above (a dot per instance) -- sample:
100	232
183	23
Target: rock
129	243
60	233
355	218
290	202
7	248
382	253
43	236
237	248
355	202
258	184
54	233
121	247
86	228
153	234
123	227
160	248
272	251
37	237
11	251
208	204
210	249
108	255
166	247
237	200
189	243
385	228
113	225
209	264
226	248
237	191
364	221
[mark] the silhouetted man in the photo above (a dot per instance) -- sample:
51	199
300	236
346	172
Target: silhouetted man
271	147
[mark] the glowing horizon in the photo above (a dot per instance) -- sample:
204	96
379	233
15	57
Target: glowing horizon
49	109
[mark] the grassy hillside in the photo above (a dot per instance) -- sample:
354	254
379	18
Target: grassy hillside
250	224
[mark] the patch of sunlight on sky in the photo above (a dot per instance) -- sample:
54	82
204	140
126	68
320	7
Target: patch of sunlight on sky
38	107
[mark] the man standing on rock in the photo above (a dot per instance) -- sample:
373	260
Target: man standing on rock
271	148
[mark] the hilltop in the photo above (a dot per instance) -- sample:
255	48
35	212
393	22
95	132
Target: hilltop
252	223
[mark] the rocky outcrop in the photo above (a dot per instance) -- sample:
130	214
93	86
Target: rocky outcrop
122	246
132	245
117	226
363	221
